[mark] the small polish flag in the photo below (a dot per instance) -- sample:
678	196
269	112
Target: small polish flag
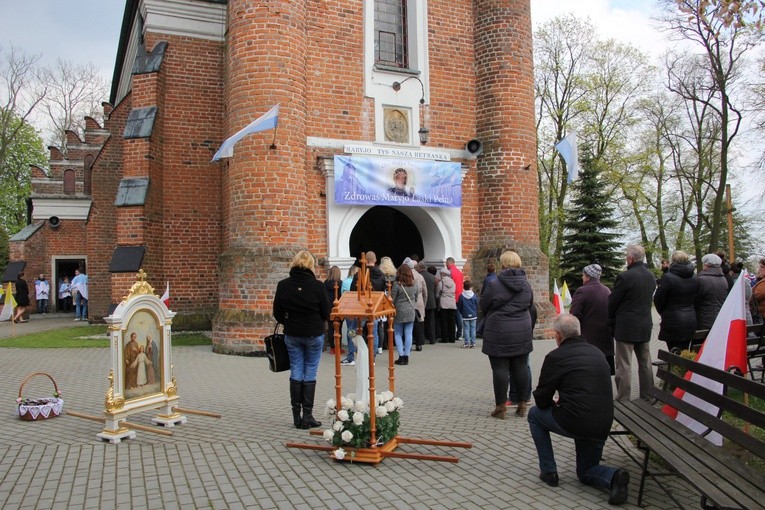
724	348
556	300
166	296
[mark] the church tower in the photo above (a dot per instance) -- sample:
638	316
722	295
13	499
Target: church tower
264	187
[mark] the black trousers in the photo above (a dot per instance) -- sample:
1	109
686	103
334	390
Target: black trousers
430	325
418	333
447	325
500	372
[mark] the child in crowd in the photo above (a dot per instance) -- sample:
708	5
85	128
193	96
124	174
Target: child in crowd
467	304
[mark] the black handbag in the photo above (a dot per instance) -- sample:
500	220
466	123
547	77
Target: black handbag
276	350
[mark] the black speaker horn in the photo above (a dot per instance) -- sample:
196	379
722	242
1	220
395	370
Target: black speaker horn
474	147
54	222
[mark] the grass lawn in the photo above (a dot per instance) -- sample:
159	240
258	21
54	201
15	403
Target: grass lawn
89	336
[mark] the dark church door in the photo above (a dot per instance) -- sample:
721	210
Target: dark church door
387	232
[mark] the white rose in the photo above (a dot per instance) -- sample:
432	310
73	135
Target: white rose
329	434
346	436
331	403
381	412
390	406
339	454
337	426
360	407
347	403
343	415
358	418
398	403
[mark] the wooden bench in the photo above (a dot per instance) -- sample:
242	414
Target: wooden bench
755	339
723	480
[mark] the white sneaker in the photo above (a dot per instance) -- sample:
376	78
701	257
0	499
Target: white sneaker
348	362
379	350
75	320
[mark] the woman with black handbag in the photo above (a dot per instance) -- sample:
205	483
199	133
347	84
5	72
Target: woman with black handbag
301	305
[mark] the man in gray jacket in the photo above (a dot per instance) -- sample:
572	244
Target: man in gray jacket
629	316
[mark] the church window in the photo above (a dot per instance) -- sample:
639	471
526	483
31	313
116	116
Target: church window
68	182
391	47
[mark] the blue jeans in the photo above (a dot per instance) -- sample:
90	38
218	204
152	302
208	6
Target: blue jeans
351	333
588	451
402	332
458	322
81	307
42	306
305	354
468	328
352	328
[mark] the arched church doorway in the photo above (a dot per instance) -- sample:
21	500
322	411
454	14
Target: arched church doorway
387	232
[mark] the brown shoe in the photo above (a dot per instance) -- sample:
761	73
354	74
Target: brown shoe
521	411
499	412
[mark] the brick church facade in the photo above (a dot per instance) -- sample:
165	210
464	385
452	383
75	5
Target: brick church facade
350	76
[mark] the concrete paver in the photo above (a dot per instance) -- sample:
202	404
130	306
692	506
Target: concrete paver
241	461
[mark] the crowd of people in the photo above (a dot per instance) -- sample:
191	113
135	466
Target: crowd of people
77	289
595	341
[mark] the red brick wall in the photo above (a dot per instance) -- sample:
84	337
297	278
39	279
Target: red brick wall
102	221
266	192
505	110
505	119
184	207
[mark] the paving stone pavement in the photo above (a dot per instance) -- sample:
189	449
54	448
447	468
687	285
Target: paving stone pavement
241	461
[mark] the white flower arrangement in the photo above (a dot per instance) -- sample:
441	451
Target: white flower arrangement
351	424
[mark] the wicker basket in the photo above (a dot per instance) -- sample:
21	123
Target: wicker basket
39	408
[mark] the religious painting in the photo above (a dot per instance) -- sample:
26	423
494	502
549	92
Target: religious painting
142	355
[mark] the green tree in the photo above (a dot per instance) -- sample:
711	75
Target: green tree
561	60
591	234
5	248
25	148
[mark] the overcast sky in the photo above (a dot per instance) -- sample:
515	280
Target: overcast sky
84	31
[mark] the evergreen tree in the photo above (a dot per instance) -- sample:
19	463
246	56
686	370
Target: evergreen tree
590	229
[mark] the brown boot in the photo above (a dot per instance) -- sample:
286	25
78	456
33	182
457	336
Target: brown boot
499	411
521	410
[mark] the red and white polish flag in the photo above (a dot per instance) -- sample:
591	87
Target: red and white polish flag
166	296
724	348
556	300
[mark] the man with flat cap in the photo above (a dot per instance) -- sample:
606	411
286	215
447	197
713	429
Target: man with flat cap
590	305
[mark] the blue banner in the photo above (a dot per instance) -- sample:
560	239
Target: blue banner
406	182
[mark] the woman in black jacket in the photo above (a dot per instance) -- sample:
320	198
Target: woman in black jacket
507	333
22	298
674	300
301	305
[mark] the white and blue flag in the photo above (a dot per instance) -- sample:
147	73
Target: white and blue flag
268	121
568	149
